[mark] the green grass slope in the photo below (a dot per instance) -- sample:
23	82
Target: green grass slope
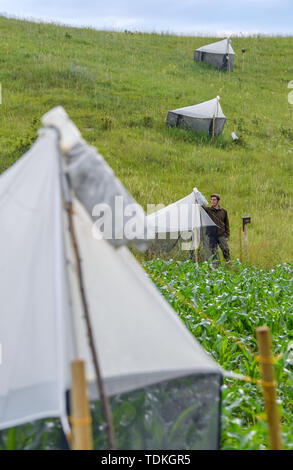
117	88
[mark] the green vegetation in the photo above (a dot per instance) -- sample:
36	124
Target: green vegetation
239	300
117	87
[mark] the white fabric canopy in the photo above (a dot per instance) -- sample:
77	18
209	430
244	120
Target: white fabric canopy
140	339
181	216
33	287
208	109
219	47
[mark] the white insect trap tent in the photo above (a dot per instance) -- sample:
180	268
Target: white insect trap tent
219	54
183	221
203	118
163	389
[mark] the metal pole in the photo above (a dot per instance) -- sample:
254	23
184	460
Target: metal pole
269	387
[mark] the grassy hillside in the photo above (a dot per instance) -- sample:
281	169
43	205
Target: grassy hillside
117	87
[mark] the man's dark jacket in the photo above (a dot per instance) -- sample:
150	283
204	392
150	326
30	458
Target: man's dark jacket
220	217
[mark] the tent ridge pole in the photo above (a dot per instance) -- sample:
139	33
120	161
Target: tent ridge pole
103	397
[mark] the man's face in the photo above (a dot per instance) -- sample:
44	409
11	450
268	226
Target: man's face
214	201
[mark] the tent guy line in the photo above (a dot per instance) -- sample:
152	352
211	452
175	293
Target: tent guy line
104	399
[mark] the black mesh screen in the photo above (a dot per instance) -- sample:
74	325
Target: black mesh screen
178	414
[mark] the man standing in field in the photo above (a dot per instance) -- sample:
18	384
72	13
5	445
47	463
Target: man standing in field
218	235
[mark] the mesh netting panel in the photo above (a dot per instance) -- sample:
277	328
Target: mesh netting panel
204	252
182	247
178	414
43	434
171	247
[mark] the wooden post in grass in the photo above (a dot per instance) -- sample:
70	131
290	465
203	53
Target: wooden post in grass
214	119
228	55
269	387
245	241
80	413
246	220
195	245
243	53
240	245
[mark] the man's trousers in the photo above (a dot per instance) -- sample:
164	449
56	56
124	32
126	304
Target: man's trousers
214	240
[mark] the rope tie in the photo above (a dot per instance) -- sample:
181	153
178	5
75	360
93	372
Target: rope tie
266	359
80	422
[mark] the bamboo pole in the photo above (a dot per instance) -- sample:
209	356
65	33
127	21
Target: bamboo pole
80	413
240	245
269	387
213	135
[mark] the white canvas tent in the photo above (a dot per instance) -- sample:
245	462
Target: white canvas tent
141	342
220	54
184	217
206	117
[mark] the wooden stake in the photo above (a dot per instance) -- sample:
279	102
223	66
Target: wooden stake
80	413
245	242
214	119
228	54
243	53
269	387
195	245
240	245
